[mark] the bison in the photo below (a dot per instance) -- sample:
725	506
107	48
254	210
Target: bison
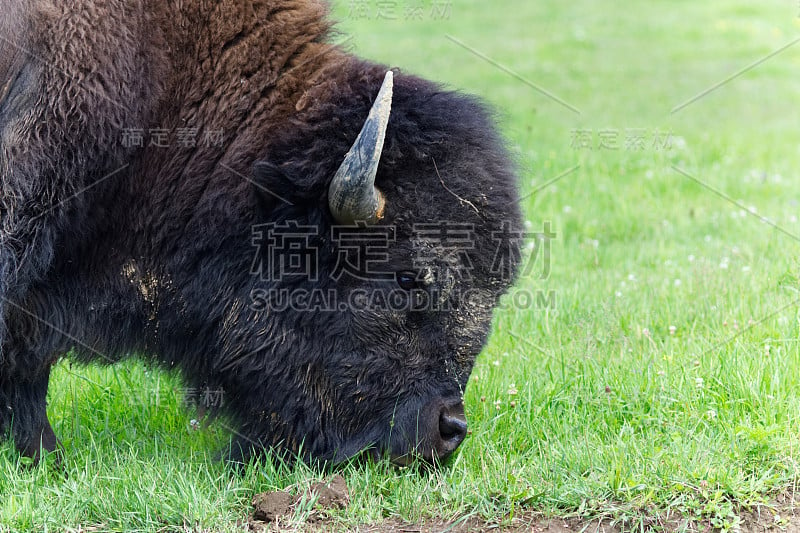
177	173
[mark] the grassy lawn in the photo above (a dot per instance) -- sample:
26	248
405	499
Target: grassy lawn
657	370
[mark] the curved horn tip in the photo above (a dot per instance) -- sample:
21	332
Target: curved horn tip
383	101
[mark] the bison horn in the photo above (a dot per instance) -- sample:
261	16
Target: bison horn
352	195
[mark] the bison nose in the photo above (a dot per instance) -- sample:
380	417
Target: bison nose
452	429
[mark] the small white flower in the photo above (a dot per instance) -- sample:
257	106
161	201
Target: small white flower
672	330
698	382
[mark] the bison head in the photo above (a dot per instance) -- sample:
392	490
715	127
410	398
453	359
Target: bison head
390	228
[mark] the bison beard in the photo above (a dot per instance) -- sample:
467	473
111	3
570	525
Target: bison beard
110	247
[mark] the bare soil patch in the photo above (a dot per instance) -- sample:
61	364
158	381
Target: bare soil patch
279	511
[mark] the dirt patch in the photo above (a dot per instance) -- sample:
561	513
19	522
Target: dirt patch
274	511
754	522
270	506
306	511
331	495
475	525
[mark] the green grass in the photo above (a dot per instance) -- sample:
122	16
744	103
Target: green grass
667	377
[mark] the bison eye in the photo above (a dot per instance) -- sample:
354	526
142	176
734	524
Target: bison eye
407	280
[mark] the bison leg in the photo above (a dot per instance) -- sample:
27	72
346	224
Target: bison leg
23	406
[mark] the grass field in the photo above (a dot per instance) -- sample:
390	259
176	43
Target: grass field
660	143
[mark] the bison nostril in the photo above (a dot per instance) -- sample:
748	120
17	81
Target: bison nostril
453	425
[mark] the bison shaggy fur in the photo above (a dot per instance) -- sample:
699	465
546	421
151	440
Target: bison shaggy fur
112	247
